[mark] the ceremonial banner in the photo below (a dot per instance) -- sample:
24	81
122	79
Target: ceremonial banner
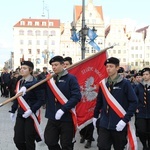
88	73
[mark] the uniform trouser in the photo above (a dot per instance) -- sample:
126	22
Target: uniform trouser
24	133
58	130
87	132
106	138
143	130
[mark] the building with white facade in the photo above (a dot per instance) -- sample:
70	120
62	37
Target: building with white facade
36	40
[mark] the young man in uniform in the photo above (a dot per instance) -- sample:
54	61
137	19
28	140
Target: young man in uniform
60	126
112	128
27	105
143	110
67	62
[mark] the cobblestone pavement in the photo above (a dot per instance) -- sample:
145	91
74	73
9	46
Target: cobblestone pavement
6	132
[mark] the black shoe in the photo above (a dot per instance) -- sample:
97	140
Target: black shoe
88	144
82	140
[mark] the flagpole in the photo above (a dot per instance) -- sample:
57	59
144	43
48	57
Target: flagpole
49	77
83	36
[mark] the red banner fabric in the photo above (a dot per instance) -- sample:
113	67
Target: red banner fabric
88	73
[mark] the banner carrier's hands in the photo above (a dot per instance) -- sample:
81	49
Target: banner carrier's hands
22	90
59	114
94	122
27	113
120	126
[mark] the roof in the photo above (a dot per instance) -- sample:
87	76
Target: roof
55	23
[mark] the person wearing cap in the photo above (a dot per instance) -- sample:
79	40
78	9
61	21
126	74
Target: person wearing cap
60	122
43	74
142	123
112	128
67	62
136	79
24	130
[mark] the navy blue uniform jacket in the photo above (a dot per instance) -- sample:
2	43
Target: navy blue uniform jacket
69	86
123	92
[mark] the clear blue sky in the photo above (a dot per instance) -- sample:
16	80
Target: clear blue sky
14	10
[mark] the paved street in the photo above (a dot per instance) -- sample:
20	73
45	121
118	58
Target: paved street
6	132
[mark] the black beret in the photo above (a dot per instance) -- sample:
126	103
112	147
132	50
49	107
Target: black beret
137	74
56	58
69	59
121	70
144	70
27	63
112	60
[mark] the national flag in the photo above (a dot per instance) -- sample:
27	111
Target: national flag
75	37
94	45
89	73
91	34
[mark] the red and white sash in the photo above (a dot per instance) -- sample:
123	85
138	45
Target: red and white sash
23	104
113	103
62	99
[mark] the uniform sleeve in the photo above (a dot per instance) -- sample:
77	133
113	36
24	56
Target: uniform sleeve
75	95
40	98
132	102
98	105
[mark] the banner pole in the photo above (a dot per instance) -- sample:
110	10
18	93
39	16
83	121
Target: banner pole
49	77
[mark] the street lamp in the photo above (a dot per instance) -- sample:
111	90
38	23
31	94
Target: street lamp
46	52
83	32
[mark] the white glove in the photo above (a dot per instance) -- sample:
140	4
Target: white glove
23	90
27	113
120	126
12	117
59	114
94	122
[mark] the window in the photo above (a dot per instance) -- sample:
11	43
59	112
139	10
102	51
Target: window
30	32
45	42
119	51
21	42
29	51
38	42
52	42
45	33
36	23
29	42
37	32
87	50
53	33
21	32
38	51
29	23
21	51
22	23
43	23
51	24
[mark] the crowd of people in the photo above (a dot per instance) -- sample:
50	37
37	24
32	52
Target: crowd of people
128	91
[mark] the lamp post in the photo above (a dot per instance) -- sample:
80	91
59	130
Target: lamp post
46	52
83	32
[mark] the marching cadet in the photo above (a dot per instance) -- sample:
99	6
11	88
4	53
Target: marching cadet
26	126
67	62
62	96
143	110
114	91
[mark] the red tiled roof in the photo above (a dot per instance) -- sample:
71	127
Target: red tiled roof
56	23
